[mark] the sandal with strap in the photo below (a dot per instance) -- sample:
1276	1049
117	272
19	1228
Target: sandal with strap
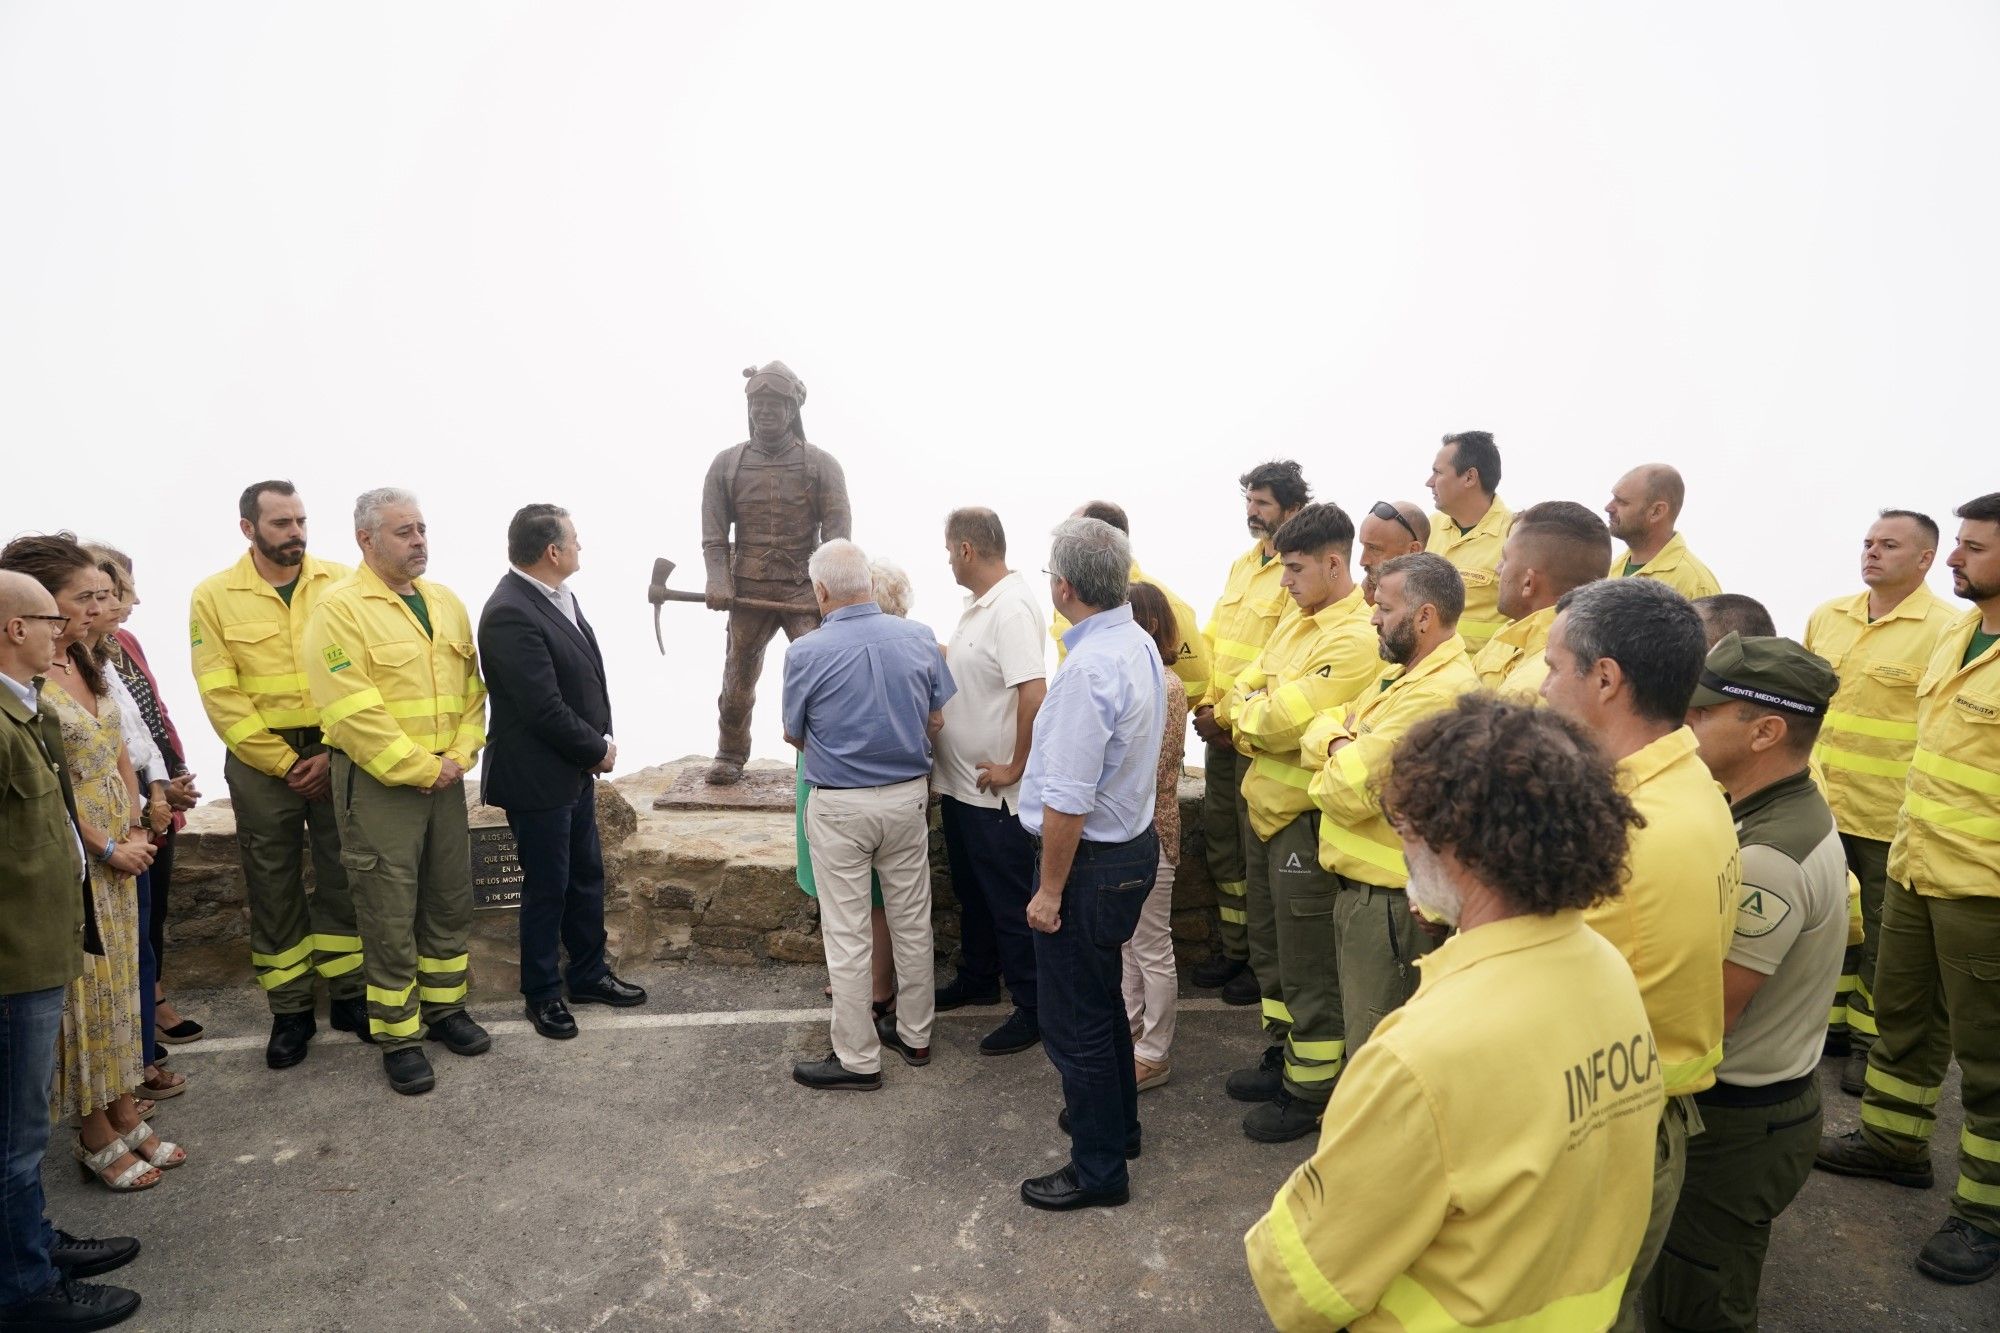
163	1083
98	1164
160	1153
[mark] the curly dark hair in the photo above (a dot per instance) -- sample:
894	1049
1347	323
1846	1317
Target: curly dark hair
1520	796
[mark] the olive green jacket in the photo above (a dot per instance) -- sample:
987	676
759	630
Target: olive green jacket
45	919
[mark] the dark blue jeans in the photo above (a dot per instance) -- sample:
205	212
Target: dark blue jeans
1083	1005
993	873
28	1026
562	896
149	970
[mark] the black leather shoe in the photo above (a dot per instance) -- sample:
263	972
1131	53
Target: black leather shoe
350	1015
1218	971
72	1305
829	1075
460	1035
552	1019
1854	1074
963	990
80	1256
1960	1252
608	989
1242	989
290	1034
1850	1154
1021	1030
885	1028
1837	1046
1132	1144
1261	1084
1282	1119
409	1070
1058	1192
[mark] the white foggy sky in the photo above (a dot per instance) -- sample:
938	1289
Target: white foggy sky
1021	255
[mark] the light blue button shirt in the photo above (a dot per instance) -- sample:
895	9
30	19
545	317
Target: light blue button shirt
860	691
1096	749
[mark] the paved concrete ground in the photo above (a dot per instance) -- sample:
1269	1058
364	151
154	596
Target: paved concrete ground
663	1170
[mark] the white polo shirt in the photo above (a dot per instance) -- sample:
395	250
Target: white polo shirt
999	644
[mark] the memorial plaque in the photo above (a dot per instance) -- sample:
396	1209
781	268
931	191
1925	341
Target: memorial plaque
496	870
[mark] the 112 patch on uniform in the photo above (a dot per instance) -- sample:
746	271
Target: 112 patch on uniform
1759	912
336	658
194	632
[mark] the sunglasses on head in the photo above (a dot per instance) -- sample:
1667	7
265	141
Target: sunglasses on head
1388	513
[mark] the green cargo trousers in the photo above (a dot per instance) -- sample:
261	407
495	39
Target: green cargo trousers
1302	898
408	855
1226	837
1937	994
1854	1008
1680	1122
1743	1169
1378	942
293	934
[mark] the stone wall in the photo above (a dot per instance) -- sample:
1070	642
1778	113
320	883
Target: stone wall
711	885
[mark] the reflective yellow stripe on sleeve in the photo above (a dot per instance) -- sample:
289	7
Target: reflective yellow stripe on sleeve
392	754
249	726
215	680
1298	708
1420	1312
342	709
1236	648
1311	1284
1678	1076
1344	839
1351	768
1279	771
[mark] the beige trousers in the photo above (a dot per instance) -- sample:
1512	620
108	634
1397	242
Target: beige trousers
1152	986
886	830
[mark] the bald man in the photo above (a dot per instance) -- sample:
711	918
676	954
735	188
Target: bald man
1645	506
1390	528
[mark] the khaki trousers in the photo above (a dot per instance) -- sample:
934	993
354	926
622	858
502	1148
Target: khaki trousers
851	832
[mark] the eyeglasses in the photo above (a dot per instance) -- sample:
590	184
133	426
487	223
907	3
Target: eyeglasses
60	622
1388	513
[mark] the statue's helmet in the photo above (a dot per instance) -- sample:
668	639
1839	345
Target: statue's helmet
775	377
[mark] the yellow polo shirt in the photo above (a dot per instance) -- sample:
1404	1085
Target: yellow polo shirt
1475	554
1513	664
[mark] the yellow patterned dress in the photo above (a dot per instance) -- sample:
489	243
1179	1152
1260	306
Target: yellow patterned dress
98	1055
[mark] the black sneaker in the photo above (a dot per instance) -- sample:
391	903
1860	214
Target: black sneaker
72	1305
963	990
1282	1119
1960	1253
1242	989
829	1075
1021	1030
1132	1140
1261	1084
1850	1154
885	1028
1854	1074
1217	971
350	1015
460	1035
291	1034
409	1070
80	1256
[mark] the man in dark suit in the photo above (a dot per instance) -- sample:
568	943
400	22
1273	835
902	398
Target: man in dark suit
548	740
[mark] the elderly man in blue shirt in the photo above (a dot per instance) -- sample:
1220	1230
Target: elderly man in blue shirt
864	695
1087	797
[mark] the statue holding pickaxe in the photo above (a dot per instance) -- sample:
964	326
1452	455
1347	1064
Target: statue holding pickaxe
767	504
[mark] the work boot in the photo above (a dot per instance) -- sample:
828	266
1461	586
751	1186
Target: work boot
1837	1045
1261	1084
964	990
290	1034
1217	971
1242	989
350	1015
1282	1119
1850	1154
409	1070
1854	1074
460	1035
1960	1252
725	772
1132	1140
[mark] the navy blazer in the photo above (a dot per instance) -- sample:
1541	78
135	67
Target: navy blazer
550	707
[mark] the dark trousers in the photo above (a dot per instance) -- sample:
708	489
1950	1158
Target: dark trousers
1080	976
28	1026
993	873
562	896
149	970
162	872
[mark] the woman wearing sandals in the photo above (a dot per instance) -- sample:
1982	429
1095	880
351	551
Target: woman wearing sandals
1152	985
100	1057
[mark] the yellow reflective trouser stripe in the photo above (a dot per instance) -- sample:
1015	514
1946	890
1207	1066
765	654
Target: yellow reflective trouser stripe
453	964
1279	771
1235	888
392	754
402	1027
441	994
1836	1016
1915	1094
1863	725
1895	1122
1862	763
249	726
1311	1284
339	967
1679	1075
1420	1312
393	999
1861	1022
292	684
1318	1050
215	680
1861	989
277	977
336	943
347	949
1945	816
1973	1191
1951	770
296	953
1374	853
1312	1073
1235	916
1276	1011
1986	1150
342	709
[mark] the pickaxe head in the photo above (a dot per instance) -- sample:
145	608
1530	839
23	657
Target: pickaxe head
663	569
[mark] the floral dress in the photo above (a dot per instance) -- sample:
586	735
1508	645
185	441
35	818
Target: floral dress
98	1054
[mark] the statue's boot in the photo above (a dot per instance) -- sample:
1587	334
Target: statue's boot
725	772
